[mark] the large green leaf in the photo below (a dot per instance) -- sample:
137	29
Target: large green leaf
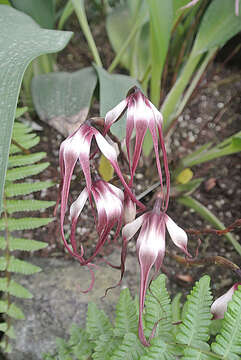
219	24
21	41
63	99
113	89
41	11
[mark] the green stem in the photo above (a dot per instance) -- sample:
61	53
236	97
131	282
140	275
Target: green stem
80	12
169	106
132	34
210	217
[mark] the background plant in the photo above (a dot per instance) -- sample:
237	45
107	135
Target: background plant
181	332
22	164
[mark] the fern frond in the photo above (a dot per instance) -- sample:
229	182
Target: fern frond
130	348
126	319
20	127
25	171
15	289
24	223
159	350
18	266
22	244
13	310
9	331
158	309
176	313
105	347
194	330
97	322
228	342
26	188
13	206
5	346
28	144
21	160
80	343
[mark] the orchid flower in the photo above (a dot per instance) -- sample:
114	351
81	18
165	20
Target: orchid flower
194	2
141	115
220	305
151	247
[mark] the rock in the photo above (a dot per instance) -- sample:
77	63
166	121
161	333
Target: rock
58	301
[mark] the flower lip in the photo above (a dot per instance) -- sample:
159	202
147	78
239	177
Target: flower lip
220	305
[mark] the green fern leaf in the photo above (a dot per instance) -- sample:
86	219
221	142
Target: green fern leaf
97	322
79	342
194	330
25	171
20	127
105	347
158	309
30	142
14	289
27	205
159	350
20	160
9	331
24	223
228	342
194	354
130	348
22	244
6	346
12	310
176	313
26	188
18	266
19	112
126	319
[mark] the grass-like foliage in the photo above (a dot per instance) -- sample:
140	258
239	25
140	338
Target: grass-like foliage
180	332
21	165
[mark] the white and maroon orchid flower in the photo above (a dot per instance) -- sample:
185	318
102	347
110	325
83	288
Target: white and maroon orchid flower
220	305
141	115
151	247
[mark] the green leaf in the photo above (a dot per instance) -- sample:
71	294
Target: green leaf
14	289
79	342
21	41
228	342
187	188
126	320
97	322
206	214
113	89
176	312
105	347
158	309
22	244
161	19
63	99
20	160
30	142
67	12
194	330
130	348
13	206
8	331
20	111
13	310
18	266
41	11
159	350
218	25
25	171
24	223
26	188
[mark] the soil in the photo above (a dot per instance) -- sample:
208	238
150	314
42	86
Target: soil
212	115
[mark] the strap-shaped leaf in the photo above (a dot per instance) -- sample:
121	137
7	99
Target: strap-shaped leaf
13	310
13	206
24	223
130	348
126	316
21	41
25	171
20	160
158	309
18	266
22	244
194	330
159	350
26	188
97	322
228	343
14	289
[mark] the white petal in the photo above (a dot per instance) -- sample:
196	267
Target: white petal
114	113
78	204
219	307
177	234
130	229
107	150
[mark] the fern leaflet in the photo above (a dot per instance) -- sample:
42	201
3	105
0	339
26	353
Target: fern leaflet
15	289
126	315
26	188
13	206
97	322
25	171
22	244
130	348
